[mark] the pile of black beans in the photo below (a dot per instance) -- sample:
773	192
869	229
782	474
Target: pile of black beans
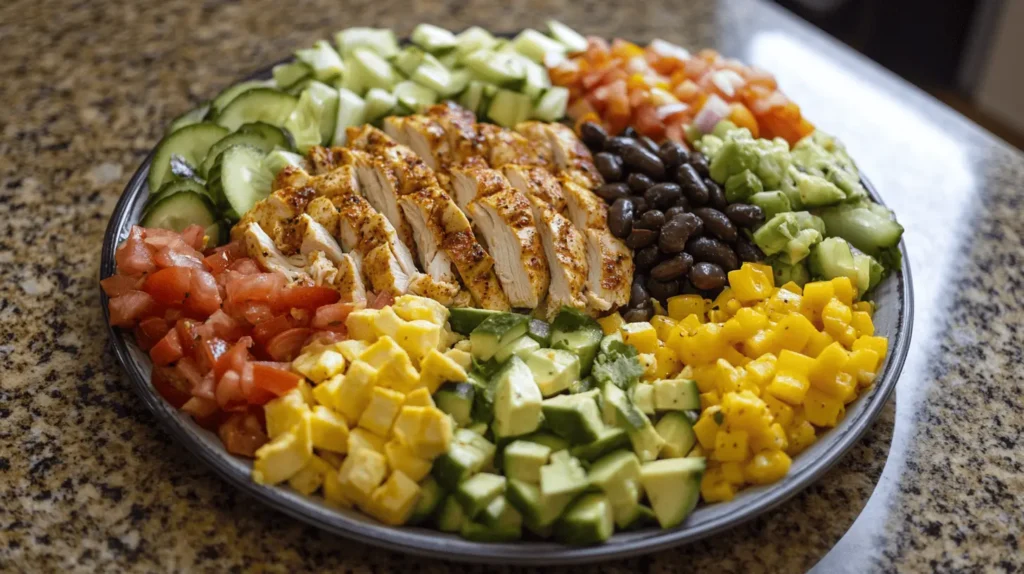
684	234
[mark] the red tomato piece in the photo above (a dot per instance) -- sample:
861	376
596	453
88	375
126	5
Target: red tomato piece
179	255
234	359
217	261
126	309
169	286
117	285
152	329
188	369
266	330
187	334
203	294
194	236
229	392
208	351
242	434
133	257
285	346
269	377
224	326
200	408
167	350
245	266
206	388
304	297
256	287
332	317
170	385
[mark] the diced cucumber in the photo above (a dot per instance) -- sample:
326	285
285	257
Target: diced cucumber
571	39
521	347
677	430
553	369
575	418
579	333
459	80
537	80
476	492
297	88
609	339
866	228
563	475
582	385
450	516
431	496
372	69
538	511
504	70
869	271
312	121
473	39
380	40
378	104
456	399
230	93
555	443
646	441
611	438
238	180
191	143
414	96
287	75
351	112
502	517
463	320
251	138
279	159
643	517
179	210
672	487
494	332
258	105
676	395
517	401
523	459
323	60
193	116
478	532
433	75
469	452
472	96
642	396
433	39
832	258
509	108
540	331
536	46
478	428
588	520
410	58
552	105
171	187
618	475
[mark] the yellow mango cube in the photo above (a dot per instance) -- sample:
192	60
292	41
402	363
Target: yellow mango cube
666	363
704	347
650	365
415	308
864	306
762	343
801	435
354	391
399	374
611	323
783	302
387	323
836	316
734	357
751	284
682	306
827	365
862	365
325	393
311	477
459	357
351	348
709	399
328	429
319	366
879	345
407	424
732	472
361	438
707	426
793	331
437	369
663	326
792	288
333	493
862	323
715	488
781	412
727	377
380	413
332	458
816	295
419	398
401	458
767	467
822	410
789	388
817	343
844	290
640	335
282	457
418	337
743	410
731	446
393	502
379	353
284	412
791	363
773	439
359	324
361	473
435	434
761	370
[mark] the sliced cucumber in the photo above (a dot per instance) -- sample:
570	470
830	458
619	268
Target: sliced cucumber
552	105
238	180
251	138
509	108
179	210
471	97
287	75
258	105
322	60
273	134
190	143
434	75
472	39
537	81
505	70
351	112
172	187
279	159
378	104
230	93
312	121
571	39
433	39
193	116
536	46
372	70
380	40
415	96
410	58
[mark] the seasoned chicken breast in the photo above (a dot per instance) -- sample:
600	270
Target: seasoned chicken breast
475	265
261	248
569	154
506	146
423	135
474	182
566	253
610	265
466	146
536	182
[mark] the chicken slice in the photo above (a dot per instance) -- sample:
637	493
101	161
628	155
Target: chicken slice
474	182
261	248
379	188
475	266
317	241
274	212
465	144
506	146
419	209
536	182
290	176
566	253
570	155
505	221
423	135
585	208
610	265
385	274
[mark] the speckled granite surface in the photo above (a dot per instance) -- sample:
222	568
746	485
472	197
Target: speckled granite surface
87	483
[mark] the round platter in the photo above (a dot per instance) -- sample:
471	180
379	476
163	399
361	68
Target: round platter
893	319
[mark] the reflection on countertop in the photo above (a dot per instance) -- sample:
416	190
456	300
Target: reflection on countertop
91	484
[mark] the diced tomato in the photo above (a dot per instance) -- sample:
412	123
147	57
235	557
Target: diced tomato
167	350
150	331
117	285
187	334
234	359
172	315
188	369
270	377
245	266
647	123
326	337
242	434
332	317
224	326
169	286
381	300
200	408
304	297
208	351
229	392
206	388
300	317
126	309
217	261
256	287
193	236
266	330
286	345
203	294
741	116
171	385
179	256
133	256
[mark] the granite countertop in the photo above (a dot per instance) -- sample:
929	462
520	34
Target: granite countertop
89	483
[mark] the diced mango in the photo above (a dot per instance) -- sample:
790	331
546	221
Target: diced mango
731	445
836	317
816	295
751	284
392	503
387	323
320	365
359	324
361	438
460	357
361	473
791	363
715	488
640	335
284	412
801	435
879	345
418	337
415	308
783	302
332	458
381	411
354	391
407	424
650	365
844	290
351	348
682	306
311	477
435	434
663	325
817	343
400	457
762	343
862	323
827	365
761	370
437	369
792	288
865	307
822	410
767	467
399	374
282	457
862	365
667	363
706	427
611	323
743	410
325	393
419	398
732	472
709	399
379	353
774	439
333	493
793	332
780	411
789	388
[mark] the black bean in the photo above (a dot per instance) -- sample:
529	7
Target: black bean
716	197
638	182
593	135
620	217
693	187
663	195
646	258
662	290
675	210
639	314
747	251
699	162
683	203
609	166
639	238
638	293
640	205
716	223
707	276
673	154
617	144
649	144
672	268
745	214
714	251
652	219
693	224
612	191
674	235
637	158
629	132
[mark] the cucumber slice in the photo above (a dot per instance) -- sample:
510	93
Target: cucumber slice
431	496
536	46
273	134
193	116
351	112
287	75
588	521
577	332
230	93
459	80
509	108
433	39
190	143
409	59
255	140
676	429
571	39
472	39
433	75
456	399
172	187
472	96
378	103
279	159
258	105
450	516
312	121
672	487
380	40
238	180
372	70
415	96
552	105
505	70
537	80
322	60
179	210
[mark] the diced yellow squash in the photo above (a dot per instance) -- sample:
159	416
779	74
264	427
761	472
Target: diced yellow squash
791	363
359	324
788	388
351	348
381	411
311	477
731	445
743	410
663	326
436	369
780	411
361	473
284	412
399	374
418	337
682	306
415	308
862	365
767	467
816	295
355	390
611	323
282	457
333	493
801	435
460	357
640	335
387	324
379	353
862	323
666	363
707	426
774	439
751	283
328	429
401	458
392	502
817	343
361	438
822	410
319	366
419	398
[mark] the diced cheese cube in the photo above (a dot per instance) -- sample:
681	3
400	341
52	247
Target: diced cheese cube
399	374
284	412
640	335
281	458
418	337
311	477
355	390
436	368
461	358
320	365
360	323
361	438
361	473
388	323
333	493
415	308
401	458
351	348
381	352
380	413
419	398
393	502
329	430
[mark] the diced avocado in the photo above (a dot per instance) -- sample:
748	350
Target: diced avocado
502	517
464	319
771	203
478	532
553	369
468	453
477	491
555	443
456	399
451	515
478	428
672	487
523	459
575	331
575	418
483	396
521	347
611	438
495	332
821	154
816	191
676	395
540	331
643	516
582	385
563	475
431	496
832	258
677	430
538	511
785	272
642	396
869	271
607	340
517	401
869	228
618	475
790	234
739	187
588	520
646	441
734	157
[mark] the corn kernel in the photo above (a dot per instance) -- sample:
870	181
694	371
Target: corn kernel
862	323
767	467
844	290
682	306
789	388
822	410
611	323
731	445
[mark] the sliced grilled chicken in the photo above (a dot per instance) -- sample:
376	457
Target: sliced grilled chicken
344	273
570	155
475	265
536	182
566	253
261	248
471	183
506	146
465	144
419	208
610	265
290	176
505	221
423	135
586	209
